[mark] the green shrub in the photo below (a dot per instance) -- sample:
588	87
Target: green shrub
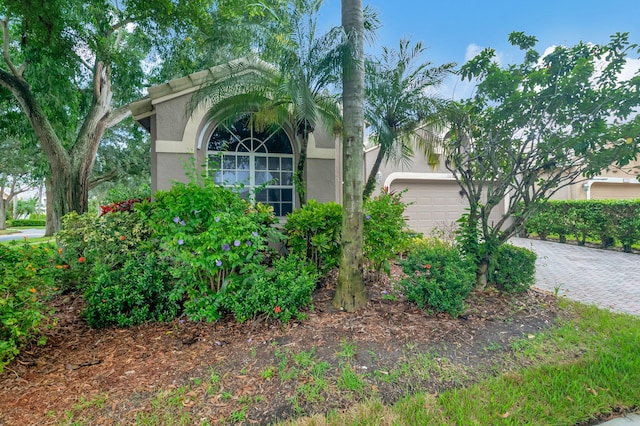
279	292
27	222
438	278
89	241
27	279
385	230
625	218
313	233
138	292
211	234
514	269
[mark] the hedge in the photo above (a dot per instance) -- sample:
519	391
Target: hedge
27	222
606	221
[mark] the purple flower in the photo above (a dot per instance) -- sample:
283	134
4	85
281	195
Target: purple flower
226	247
367	217
218	263
182	321
249	340
176	219
248	243
217	219
183	223
219	343
254	233
236	243
180	242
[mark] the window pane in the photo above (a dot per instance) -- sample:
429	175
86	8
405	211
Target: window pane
287	195
276	209
274	163
229	178
243	177
262	178
287	178
287	164
243	162
261	163
229	162
273	194
218	178
262	196
286	209
276	178
259	146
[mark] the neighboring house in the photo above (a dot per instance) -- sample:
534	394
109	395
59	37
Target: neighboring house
241	154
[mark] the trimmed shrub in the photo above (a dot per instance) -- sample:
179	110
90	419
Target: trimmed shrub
27	222
514	269
279	292
136	293
438	278
313	233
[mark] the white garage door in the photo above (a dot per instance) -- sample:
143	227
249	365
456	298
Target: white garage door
436	205
614	191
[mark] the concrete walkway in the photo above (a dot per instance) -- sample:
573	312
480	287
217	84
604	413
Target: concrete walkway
28	233
607	278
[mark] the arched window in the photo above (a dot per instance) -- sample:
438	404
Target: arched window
241	157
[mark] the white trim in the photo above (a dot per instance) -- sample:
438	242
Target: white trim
174	147
417	176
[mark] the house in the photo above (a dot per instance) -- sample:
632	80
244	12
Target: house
241	154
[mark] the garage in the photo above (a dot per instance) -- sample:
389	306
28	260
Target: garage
615	190
436	205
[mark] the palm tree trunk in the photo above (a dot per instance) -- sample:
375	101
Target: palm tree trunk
371	181
350	291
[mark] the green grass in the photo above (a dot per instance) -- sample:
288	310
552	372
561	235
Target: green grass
585	368
30	241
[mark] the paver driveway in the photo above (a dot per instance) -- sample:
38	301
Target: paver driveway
609	279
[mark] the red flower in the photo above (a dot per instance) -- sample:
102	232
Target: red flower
428	266
65	266
277	309
82	259
122	237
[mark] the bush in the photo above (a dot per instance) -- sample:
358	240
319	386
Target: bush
279	292
210	234
514	269
27	279
137	292
313	233
90	241
27	222
438	278
385	230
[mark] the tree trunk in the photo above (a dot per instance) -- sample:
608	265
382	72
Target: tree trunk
3	212
300	181
350	292
371	181
482	275
49	228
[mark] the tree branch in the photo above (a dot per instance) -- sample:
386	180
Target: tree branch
116	116
107	177
4	24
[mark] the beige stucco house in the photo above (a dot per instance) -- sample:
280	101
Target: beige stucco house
241	154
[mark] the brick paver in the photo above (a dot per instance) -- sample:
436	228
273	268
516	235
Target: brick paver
608	279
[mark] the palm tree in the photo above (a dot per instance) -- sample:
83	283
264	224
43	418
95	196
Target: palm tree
350	291
398	106
295	91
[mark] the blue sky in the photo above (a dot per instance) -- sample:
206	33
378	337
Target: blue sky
453	31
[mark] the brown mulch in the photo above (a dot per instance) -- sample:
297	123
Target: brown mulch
127	368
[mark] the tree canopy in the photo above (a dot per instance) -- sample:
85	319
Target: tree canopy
536	127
